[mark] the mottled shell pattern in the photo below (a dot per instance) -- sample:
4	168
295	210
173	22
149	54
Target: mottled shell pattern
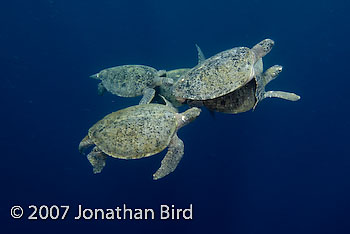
217	75
135	132
127	80
240	100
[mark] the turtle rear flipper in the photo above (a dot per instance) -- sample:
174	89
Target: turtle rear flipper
97	159
148	95
171	159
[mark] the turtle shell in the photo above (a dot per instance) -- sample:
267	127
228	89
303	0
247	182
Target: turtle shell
238	101
135	132
128	80
218	75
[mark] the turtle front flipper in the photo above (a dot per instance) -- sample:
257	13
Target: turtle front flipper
85	143
281	94
171	159
97	159
148	95
201	56
101	89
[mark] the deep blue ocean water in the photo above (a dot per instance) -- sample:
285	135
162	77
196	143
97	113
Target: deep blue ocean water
283	168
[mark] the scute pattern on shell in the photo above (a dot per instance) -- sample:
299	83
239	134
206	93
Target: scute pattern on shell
128	80
218	75
135	132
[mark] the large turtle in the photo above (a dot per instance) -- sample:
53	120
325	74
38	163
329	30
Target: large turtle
137	132
131	81
166	90
248	96
221	73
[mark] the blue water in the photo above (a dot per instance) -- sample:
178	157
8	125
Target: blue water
283	168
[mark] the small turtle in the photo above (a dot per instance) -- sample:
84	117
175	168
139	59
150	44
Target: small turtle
221	73
137	132
131	81
166	90
248	96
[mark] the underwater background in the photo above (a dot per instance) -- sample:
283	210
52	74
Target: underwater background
282	168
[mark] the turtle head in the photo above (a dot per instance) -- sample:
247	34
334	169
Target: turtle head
269	75
188	116
263	48
274	71
161	73
95	76
160	81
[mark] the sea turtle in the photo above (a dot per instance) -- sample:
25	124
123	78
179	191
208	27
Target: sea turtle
137	132
166	90
221	73
131	81
248	96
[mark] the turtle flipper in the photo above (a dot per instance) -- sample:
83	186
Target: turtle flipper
201	56
148	95
259	67
85	143
97	159
169	104
101	89
171	159
283	95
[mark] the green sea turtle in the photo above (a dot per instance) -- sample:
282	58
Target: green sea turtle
248	96
221	73
137	132
131	81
